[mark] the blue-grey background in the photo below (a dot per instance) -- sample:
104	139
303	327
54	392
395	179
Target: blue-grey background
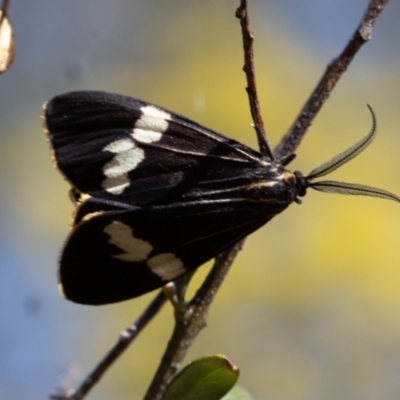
311	309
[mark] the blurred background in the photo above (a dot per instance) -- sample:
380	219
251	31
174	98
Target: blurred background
311	308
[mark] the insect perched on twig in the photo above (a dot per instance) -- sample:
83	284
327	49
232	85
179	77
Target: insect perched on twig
157	194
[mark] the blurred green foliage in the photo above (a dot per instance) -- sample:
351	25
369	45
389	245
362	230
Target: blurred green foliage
207	378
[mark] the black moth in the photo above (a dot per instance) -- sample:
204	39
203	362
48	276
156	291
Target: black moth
157	195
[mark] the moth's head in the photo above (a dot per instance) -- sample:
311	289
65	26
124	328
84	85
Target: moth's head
286	187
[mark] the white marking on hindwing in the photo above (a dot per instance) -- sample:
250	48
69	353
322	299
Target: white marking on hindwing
151	125
166	265
127	158
122	236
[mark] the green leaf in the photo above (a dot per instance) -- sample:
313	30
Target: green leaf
237	393
208	378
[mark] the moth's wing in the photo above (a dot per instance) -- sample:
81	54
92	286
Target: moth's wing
117	255
119	148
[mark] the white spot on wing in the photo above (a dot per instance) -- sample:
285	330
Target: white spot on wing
119	146
127	158
146	136
122	236
166	265
154	112
151	125
116	185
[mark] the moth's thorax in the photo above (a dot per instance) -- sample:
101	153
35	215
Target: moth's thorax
278	188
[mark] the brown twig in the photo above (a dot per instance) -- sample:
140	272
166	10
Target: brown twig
188	325
124	340
251	89
333	73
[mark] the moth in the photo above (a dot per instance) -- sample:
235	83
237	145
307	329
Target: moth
157	195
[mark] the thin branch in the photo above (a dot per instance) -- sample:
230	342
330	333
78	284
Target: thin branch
124	340
189	323
251	89
333	73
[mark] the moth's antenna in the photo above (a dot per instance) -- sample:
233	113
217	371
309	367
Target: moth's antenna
353	189
344	157
336	162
